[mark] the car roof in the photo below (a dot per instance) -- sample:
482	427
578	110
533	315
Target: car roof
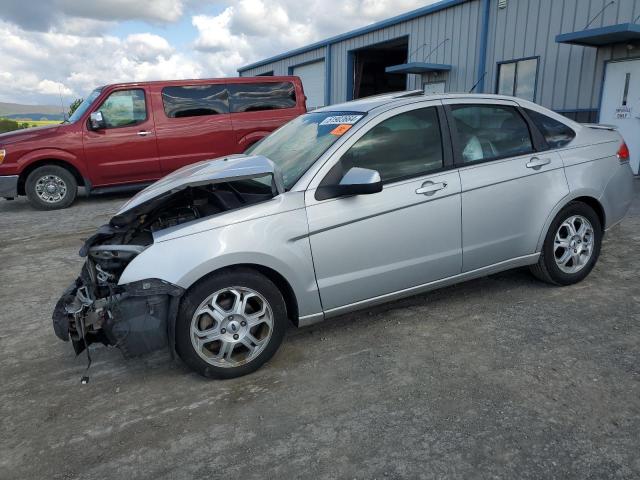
368	104
198	81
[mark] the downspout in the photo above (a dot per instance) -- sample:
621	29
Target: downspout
327	75
485	7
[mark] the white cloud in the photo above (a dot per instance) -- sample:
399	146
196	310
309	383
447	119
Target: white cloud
50	47
250	30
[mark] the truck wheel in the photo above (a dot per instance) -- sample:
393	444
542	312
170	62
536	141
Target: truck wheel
572	246
230	324
51	187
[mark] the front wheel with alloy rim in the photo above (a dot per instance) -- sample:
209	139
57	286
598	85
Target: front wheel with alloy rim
230	323
571	247
51	187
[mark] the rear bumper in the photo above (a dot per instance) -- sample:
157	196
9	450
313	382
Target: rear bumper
9	186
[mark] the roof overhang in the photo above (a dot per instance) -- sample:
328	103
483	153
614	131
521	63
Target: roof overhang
599	37
418	68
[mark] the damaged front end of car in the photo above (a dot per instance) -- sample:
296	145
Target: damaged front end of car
139	317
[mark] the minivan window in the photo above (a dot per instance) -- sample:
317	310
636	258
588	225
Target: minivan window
403	146
195	100
253	97
487	132
124	108
556	133
298	144
84	106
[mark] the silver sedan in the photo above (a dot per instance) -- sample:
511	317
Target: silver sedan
343	208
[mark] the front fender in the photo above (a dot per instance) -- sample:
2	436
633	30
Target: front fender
34	156
279	242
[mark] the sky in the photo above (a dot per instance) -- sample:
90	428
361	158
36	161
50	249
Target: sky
65	48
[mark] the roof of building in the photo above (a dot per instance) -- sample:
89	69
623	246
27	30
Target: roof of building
420	12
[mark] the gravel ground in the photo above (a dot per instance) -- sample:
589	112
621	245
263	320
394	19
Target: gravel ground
502	377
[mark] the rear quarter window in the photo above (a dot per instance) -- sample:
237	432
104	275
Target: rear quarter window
253	97
556	133
195	100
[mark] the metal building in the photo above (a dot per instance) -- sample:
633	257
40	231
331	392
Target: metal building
577	57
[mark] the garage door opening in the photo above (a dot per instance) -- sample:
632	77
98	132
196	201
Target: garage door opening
369	64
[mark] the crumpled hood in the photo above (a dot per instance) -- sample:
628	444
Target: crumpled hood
207	172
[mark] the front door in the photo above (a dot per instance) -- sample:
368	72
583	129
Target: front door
621	104
508	189
407	235
125	151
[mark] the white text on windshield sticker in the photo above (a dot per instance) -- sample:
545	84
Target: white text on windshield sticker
341	120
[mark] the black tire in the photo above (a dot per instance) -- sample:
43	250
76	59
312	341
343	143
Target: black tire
55	171
547	269
236	277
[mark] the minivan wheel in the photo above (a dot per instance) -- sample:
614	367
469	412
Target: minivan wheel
571	247
230	324
51	187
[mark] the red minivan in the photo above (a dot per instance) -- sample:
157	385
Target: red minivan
127	135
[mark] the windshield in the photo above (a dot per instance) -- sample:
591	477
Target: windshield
299	143
84	106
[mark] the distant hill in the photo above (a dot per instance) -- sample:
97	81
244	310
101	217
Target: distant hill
30	112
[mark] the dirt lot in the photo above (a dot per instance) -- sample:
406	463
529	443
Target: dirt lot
502	377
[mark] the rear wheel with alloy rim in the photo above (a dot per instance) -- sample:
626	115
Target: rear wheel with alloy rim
51	187
230	324
571	247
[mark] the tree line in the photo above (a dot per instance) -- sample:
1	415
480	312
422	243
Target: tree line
9	125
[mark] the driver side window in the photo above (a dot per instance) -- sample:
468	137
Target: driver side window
407	145
124	108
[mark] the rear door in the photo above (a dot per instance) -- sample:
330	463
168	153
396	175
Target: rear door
509	183
192	123
258	108
125	151
368	246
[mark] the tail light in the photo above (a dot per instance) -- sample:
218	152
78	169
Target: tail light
623	153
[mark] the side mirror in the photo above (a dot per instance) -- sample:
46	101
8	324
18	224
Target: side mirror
357	181
96	121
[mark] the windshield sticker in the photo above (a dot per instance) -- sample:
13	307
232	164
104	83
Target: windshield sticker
341	120
340	130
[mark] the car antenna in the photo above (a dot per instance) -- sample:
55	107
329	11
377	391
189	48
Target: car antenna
476	84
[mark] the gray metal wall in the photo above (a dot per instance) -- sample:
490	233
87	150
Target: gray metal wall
281	67
569	77
458	23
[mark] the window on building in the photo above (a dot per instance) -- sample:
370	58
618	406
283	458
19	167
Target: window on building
252	97
406	145
124	108
195	100
518	78
556	133
487	132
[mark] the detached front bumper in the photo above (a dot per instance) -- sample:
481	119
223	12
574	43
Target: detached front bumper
8	186
138	318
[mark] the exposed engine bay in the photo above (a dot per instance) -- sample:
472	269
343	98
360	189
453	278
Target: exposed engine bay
139	317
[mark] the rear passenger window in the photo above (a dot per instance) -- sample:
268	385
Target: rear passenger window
195	100
253	97
406	145
556	133
487	132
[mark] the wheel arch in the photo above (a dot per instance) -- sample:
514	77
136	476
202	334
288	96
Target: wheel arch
583	197
22	178
283	285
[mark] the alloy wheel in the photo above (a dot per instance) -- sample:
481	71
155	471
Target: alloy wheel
573	244
231	327
51	188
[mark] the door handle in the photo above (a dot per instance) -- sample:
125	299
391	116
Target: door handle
144	133
429	188
537	163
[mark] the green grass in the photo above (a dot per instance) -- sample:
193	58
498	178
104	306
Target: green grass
38	123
